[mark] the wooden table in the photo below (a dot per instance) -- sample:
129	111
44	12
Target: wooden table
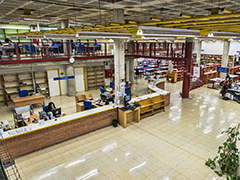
80	106
31	119
22	101
127	116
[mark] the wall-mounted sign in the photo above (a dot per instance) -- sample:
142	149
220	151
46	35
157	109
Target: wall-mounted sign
223	69
63	78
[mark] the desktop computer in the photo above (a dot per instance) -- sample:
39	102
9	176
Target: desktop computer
56	112
42	115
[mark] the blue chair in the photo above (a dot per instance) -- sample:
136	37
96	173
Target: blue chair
26	48
23	93
128	90
87	104
32	49
101	90
111	84
45	108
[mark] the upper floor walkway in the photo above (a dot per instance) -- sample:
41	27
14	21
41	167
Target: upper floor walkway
19	53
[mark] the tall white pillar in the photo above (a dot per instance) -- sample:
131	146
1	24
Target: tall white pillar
65	24
119	64
226	47
198	50
119	57
131	70
70	82
127	70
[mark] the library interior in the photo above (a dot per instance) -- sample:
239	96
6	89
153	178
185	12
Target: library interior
118	89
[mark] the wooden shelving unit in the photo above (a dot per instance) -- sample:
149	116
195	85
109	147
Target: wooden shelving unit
94	77
41	82
2	93
211	58
26	81
151	106
11	86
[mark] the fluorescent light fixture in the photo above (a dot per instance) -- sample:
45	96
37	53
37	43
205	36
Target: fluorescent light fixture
61	36
105	35
210	34
32	19
140	32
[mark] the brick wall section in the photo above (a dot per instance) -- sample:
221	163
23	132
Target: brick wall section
167	99
161	85
36	140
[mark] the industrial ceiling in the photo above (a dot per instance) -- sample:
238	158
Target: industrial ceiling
204	15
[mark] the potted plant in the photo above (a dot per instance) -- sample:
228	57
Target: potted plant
227	160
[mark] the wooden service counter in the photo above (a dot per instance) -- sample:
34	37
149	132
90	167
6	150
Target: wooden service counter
154	102
31	138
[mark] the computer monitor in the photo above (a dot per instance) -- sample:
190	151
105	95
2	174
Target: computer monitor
57	112
127	99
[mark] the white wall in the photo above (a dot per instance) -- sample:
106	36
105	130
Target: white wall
216	47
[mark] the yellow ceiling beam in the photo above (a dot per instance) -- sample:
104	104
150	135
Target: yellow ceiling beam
216	16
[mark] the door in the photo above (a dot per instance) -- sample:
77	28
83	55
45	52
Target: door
79	79
54	86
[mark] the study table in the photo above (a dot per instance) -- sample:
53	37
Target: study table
22	101
220	80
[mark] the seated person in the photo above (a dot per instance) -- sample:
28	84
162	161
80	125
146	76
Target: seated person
104	90
51	107
225	87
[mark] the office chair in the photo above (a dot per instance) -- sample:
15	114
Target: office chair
102	92
87	104
32	49
111	84
23	93
45	108
127	90
26	48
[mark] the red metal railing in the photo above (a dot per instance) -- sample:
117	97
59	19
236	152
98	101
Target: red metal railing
62	51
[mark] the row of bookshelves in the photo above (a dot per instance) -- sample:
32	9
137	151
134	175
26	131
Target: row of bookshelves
215	59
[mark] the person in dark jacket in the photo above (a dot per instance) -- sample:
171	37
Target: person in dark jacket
51	107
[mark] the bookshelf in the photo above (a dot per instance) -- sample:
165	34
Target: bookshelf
215	59
41	81
94	77
26	81
11	85
2	93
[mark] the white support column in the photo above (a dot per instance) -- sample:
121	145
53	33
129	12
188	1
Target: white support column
127	70
119	64
65	24
226	47
198	50
131	71
70	82
119	57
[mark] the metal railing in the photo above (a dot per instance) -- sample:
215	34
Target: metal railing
61	51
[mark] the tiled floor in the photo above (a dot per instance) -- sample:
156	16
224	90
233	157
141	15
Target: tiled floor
169	145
